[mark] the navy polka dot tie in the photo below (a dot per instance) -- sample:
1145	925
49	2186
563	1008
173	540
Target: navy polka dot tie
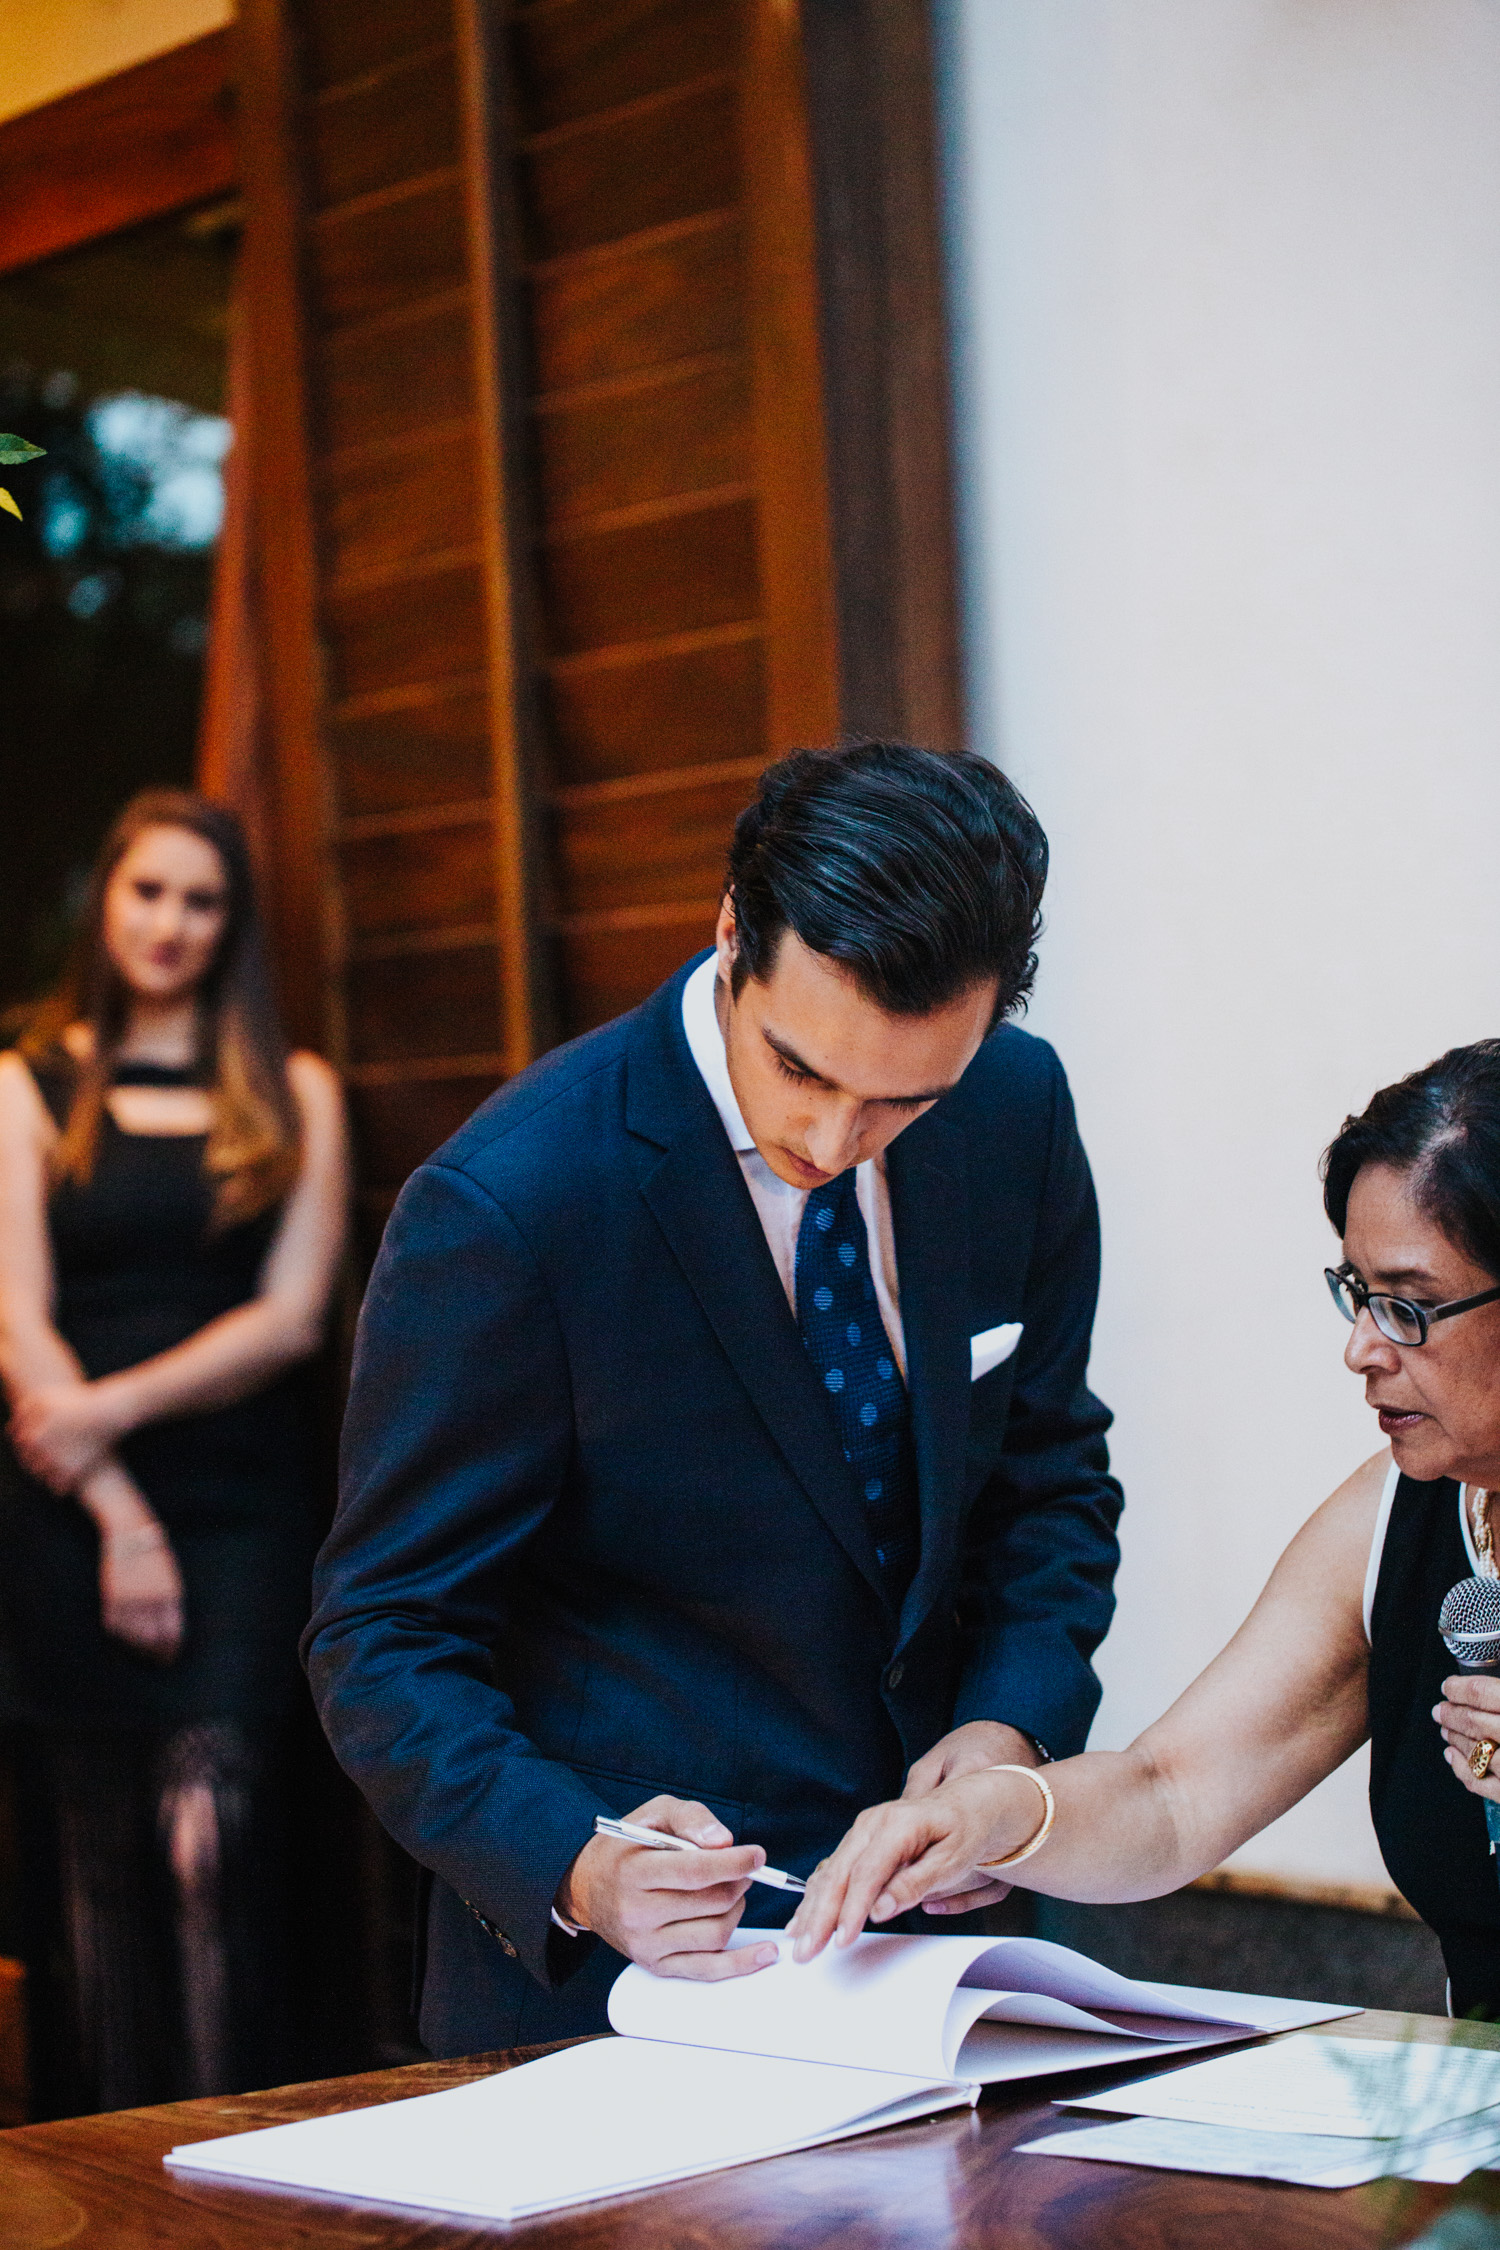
846	1341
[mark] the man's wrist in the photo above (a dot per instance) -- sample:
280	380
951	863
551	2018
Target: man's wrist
1043	1754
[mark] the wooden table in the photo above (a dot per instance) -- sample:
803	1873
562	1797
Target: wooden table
98	2182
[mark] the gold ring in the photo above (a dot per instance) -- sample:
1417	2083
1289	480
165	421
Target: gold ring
1479	1758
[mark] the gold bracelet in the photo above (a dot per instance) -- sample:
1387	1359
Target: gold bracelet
1049	1814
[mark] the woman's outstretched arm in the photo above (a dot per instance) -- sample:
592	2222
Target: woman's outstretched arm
1276	1712
63	1427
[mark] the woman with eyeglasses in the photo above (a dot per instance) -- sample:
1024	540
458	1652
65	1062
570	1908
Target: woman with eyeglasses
1342	1645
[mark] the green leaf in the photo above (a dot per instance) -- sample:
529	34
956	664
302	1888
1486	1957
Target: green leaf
7	503
14	450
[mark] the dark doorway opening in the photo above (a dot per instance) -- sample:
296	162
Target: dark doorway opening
113	357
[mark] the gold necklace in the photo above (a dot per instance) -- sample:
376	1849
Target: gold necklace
1484	1538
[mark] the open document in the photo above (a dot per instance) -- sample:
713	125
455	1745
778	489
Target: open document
710	2075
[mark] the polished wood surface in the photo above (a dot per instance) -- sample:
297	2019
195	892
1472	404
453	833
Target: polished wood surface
948	2184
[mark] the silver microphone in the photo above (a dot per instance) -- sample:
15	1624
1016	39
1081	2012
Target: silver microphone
1469	1622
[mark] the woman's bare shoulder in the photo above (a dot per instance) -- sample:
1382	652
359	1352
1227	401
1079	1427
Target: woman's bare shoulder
23	1113
1336	1536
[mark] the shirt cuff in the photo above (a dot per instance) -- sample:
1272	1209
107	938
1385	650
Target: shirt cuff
569	1929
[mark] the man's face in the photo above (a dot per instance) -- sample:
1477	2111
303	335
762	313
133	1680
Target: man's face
825	1078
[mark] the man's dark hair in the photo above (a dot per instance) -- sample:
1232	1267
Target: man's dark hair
919	872
1441	1127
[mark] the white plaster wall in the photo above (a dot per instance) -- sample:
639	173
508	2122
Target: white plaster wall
1227	289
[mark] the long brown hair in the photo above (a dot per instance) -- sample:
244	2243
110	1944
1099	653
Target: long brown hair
254	1144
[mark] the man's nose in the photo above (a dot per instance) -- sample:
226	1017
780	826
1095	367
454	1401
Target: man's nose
833	1137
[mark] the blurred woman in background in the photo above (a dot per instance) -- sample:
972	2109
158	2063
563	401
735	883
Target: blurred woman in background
172	1212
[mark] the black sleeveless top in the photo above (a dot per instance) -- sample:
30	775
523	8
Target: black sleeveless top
1431	1831
138	1268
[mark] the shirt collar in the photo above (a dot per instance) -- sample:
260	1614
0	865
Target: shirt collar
700	1021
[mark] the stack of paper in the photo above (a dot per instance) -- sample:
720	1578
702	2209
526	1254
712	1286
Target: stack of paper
1322	2112
709	2075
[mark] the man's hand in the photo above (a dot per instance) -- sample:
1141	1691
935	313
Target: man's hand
968	1749
674	1912
1468	1715
62	1431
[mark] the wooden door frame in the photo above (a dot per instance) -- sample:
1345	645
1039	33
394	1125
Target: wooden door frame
872	113
135	146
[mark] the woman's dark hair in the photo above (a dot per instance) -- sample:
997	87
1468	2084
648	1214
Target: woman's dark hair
254	1145
919	872
1441	1127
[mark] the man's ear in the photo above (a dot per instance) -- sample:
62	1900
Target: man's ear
726	936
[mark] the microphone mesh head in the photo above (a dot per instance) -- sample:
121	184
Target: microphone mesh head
1469	1619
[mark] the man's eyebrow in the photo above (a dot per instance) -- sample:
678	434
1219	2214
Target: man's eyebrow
790	1056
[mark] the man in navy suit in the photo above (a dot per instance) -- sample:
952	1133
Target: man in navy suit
719	1451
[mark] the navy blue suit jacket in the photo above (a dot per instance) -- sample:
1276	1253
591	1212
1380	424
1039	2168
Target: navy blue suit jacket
597	1536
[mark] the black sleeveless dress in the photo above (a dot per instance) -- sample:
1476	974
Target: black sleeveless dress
1431	1831
137	1271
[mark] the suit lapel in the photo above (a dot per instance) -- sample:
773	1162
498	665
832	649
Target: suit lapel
692	1183
930	1216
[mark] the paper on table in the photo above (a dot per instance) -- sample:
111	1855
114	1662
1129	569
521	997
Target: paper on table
1305	2159
568	2128
916	2003
1354	2087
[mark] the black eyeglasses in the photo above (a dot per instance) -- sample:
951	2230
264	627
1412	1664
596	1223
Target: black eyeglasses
1395	1317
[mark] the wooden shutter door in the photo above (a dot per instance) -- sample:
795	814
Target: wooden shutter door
542	500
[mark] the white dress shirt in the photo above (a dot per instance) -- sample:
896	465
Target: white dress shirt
778	1206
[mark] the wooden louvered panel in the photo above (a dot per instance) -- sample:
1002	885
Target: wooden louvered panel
431	747
657	304
388	504
385	250
426	878
408	1111
671	156
649	436
628	711
610	960
615	848
673	293
584	56
413	628
667	570
397	376
341	44
387	254
409	1006
395	124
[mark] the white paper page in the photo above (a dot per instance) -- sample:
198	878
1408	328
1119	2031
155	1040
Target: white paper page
1307	2159
994	2053
879	2004
1355	2087
1168	2145
1035	1965
908	2003
592	2121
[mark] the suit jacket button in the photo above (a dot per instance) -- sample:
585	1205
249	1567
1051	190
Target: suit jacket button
895	1675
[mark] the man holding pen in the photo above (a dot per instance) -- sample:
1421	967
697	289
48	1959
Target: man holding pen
719	1452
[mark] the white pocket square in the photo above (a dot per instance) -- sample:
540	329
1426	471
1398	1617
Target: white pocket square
991	1345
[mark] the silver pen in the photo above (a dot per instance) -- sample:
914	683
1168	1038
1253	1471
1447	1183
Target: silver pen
656	1840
